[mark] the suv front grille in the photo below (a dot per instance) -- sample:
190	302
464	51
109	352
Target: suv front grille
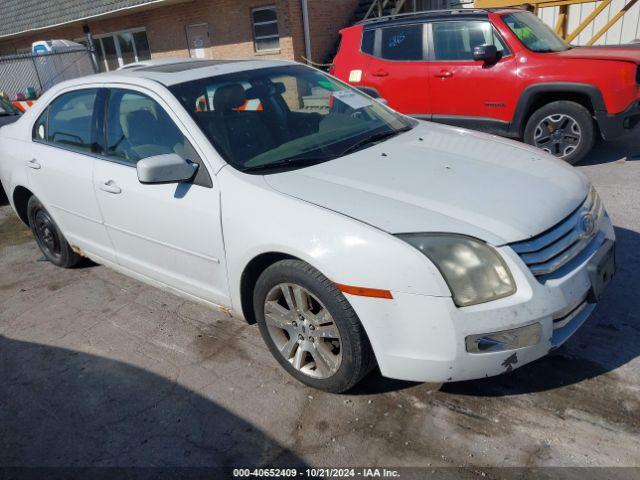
549	251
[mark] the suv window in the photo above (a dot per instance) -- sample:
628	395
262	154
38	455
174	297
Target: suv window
402	42
456	40
68	120
137	128
368	41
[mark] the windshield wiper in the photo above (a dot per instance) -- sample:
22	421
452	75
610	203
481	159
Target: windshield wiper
289	162
375	138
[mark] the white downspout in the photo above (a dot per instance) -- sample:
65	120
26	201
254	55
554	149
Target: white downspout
305	26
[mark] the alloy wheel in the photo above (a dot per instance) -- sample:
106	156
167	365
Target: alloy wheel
303	330
558	134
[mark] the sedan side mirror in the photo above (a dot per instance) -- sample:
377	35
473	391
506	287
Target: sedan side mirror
167	168
486	53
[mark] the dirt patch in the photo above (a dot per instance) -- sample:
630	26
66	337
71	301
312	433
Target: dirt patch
13	232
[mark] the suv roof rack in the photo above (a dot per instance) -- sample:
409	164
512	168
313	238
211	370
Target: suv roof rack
426	14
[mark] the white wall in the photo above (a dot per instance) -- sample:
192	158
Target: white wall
623	31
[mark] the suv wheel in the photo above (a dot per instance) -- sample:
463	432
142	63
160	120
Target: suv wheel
564	129
52	243
310	328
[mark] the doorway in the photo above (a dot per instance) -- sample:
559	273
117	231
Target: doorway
198	40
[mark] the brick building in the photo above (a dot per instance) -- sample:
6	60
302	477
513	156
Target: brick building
127	30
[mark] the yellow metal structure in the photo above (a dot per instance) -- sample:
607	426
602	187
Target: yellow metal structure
563	16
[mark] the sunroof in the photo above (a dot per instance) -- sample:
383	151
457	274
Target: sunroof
184	66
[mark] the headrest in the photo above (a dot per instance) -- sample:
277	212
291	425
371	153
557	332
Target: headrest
229	97
264	91
137	121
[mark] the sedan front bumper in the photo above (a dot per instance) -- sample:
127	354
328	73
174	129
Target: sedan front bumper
426	338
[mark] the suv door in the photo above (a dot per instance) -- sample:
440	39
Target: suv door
464	90
170	233
397	68
61	163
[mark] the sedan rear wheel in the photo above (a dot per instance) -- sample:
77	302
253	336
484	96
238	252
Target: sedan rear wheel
310	327
48	236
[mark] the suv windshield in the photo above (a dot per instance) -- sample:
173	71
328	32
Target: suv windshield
534	33
7	109
281	118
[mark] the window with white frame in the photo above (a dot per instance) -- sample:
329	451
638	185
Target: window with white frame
265	28
114	50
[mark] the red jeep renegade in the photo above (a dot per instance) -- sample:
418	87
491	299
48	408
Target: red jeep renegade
503	71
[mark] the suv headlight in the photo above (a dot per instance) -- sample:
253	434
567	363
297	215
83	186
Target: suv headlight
474	271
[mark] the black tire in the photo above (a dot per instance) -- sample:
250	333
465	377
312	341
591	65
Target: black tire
571	114
48	236
357	355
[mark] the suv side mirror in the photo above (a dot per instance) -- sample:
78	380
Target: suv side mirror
486	53
167	168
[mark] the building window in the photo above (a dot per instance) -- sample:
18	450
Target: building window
117	49
265	28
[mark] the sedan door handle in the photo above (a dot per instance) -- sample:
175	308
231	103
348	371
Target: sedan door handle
33	163
444	74
110	187
380	73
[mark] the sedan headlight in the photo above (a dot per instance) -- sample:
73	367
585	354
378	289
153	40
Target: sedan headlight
474	271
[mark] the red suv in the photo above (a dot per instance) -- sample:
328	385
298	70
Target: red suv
502	71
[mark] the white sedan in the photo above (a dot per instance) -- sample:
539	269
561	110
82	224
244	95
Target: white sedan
353	235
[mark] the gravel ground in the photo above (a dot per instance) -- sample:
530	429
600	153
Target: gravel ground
98	369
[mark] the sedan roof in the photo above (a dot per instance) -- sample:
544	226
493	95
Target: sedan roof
172	71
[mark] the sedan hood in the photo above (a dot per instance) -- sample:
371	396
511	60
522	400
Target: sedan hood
442	179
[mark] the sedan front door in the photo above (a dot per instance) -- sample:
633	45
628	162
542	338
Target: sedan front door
170	233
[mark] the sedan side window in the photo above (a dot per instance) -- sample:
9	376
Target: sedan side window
456	40
137	128
68	121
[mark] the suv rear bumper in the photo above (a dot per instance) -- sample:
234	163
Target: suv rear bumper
614	126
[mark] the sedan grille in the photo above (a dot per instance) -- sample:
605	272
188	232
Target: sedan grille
549	251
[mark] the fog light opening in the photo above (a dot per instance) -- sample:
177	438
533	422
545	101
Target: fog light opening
504	340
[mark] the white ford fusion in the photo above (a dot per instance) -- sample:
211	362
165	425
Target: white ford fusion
351	234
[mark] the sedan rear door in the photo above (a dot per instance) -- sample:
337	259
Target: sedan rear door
60	162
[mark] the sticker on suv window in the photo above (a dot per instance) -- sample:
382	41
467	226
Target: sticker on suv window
396	40
351	99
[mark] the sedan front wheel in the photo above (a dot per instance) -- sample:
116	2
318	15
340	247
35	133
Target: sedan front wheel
310	328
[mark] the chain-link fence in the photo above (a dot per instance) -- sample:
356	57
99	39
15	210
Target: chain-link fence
42	71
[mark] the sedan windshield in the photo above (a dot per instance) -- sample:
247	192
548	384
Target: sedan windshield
282	118
534	33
